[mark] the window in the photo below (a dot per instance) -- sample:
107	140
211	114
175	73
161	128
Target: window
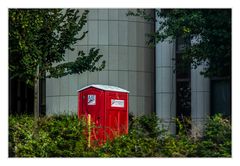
183	87
221	96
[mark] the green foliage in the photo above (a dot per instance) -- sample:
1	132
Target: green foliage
179	146
41	37
216	140
210	29
141	141
58	136
130	146
148	126
64	136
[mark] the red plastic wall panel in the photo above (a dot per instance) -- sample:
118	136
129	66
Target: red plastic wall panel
91	101
116	114
108	110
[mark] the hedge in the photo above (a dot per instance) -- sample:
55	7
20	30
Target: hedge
63	136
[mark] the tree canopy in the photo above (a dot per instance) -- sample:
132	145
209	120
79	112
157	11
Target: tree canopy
38	41
39	38
206	32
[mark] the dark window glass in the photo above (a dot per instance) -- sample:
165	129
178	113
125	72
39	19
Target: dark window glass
221	97
183	86
183	94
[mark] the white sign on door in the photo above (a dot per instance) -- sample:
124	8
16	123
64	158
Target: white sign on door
91	99
117	103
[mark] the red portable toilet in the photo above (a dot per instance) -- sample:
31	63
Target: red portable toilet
108	108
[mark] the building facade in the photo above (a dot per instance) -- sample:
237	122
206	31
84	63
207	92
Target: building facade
129	62
151	75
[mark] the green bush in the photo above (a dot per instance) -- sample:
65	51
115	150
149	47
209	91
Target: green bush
20	134
216	140
57	136
146	126
129	146
141	141
64	136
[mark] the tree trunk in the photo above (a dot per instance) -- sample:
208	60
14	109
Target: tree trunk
36	95
36	104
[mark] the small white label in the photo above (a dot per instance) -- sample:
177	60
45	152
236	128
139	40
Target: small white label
91	99
117	103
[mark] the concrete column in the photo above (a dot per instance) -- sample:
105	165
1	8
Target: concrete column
166	83
200	100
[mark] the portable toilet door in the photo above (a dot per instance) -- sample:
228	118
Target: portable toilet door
116	113
91	102
108	109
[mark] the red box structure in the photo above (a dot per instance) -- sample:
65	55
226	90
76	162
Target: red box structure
108	108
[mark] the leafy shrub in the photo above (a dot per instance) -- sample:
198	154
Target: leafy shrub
142	140
180	145
146	126
129	146
64	136
57	136
20	134
216	140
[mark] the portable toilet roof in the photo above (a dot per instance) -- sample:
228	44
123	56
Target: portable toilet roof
105	87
